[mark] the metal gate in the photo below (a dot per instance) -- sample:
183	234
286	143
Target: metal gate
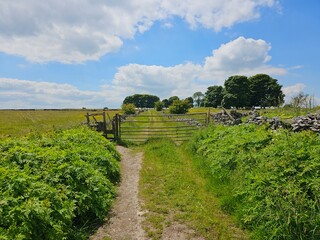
141	127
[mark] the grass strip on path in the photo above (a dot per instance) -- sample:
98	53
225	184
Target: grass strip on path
174	191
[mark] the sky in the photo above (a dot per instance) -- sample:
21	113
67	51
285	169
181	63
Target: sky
94	53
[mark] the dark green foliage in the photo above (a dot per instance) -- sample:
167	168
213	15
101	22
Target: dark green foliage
166	103
213	96
190	101
265	91
53	186
242	92
171	99
142	100
179	107
269	180
237	93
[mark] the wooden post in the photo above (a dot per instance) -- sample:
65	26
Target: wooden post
119	128
116	129
208	117
104	124
88	119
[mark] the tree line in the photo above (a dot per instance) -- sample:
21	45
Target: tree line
238	92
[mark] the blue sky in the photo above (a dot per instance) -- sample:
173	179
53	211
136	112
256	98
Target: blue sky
94	53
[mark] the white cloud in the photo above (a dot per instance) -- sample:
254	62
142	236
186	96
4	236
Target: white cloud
241	56
293	90
15	93
77	31
163	81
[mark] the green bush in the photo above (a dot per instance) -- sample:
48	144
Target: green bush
268	179
129	108
53	186
179	107
159	105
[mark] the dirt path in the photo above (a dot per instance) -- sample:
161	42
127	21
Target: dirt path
126	216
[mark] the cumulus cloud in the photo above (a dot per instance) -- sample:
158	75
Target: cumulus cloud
77	31
240	56
164	81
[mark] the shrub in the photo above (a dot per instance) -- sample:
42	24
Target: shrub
53	186
129	108
268	179
179	107
159	105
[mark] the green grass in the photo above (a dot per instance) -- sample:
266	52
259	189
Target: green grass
286	113
174	190
20	123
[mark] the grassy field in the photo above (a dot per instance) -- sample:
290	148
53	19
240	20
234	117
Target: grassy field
18	123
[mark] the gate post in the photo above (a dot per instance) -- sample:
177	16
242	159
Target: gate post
104	124
116	127
208	117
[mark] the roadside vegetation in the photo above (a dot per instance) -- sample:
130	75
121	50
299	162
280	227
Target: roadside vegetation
57	185
269	180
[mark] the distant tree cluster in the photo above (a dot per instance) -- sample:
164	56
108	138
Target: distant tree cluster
238	91
142	100
241	91
177	106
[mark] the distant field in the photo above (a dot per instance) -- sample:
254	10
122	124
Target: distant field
21	122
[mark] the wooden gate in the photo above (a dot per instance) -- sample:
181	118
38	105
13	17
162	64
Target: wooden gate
140	127
103	123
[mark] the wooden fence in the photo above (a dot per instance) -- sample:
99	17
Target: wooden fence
138	128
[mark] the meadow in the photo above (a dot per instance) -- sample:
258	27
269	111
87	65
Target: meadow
17	123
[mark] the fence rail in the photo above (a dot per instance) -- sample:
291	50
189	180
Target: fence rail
178	127
140	127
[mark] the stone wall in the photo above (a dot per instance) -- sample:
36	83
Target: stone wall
309	122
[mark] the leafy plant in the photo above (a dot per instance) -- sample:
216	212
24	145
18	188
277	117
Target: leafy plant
179	107
268	179
52	186
129	108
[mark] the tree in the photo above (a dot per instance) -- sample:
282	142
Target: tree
198	97
142	100
302	100
159	105
213	96
165	103
265	91
190	101
179	107
237	88
129	108
171	99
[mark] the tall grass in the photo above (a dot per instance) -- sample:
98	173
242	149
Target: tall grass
20	123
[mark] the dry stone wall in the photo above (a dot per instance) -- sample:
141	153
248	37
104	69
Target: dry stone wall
309	122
